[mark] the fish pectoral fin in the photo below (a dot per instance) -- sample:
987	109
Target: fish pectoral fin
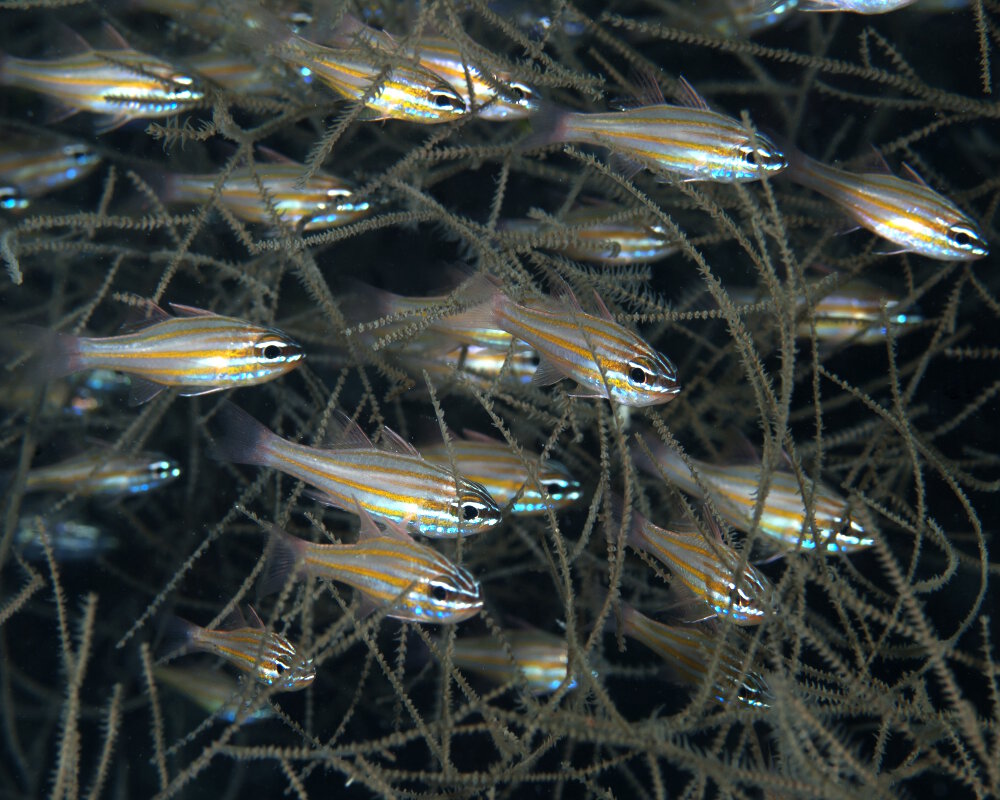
105	123
546	373
142	391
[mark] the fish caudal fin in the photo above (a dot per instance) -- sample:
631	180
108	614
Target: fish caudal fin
548	126
240	438
50	354
285	554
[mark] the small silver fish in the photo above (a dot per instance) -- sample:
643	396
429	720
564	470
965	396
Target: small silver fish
213	691
104	473
33	164
537	659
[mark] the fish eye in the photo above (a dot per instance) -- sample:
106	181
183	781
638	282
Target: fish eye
963	236
448	100
469	512
271	352
638	374
734	597
438	592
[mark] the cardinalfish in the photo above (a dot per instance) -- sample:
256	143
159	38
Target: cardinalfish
392	481
688	652
709	568
850	313
480	365
197	352
33	164
119	83
687	140
906	212
266	655
596	234
535	659
527	487
855	6
104	473
213	691
70	540
322	202
412	581
832	526
606	359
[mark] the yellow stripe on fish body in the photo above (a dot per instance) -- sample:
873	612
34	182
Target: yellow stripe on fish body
605	358
500	99
197	352
711	571
266	655
491	463
907	213
688	651
323	202
33	164
834	527
540	660
392	481
104	473
388	567
120	84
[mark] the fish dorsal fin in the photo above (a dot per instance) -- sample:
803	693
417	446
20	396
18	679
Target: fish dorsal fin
112	40
369	529
876	163
481	438
648	92
602	308
142	315
687	96
910	173
395	443
739	450
344	433
563	293
254	621
68	42
190	311
235	620
274	157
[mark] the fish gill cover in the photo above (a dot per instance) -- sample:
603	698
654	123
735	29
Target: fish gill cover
255	164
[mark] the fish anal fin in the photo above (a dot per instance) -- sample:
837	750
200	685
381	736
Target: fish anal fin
687	96
198	391
105	123
627	167
142	391
546	373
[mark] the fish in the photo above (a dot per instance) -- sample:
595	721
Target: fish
493	464
480	365
833	527
606	359
71	540
264	654
595	234
688	140
213	691
34	163
904	211
707	567
532	658
495	97
688	651
322	202
412	581
104	473
848	313
392	481
196	352
120	84
855	6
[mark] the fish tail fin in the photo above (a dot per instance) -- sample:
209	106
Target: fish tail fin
50	354
176	637
241	439
548	126
285	554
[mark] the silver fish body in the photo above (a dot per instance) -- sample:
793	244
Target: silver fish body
32	165
537	659
104	473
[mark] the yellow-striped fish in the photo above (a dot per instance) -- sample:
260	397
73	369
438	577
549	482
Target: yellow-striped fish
392	570
104	473
593	234
266	655
323	202
119	83
688	140
606	359
708	568
197	352
213	691
906	212
497	97
391	482
33	164
490	462
833	527
481	365
535	659
688	651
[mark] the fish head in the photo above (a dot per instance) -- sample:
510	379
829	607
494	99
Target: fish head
514	100
964	240
439	102
451	597
758	156
270	353
648	378
474	508
293	674
558	489
749	603
155	472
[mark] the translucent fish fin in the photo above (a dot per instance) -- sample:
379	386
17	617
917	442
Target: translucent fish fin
191	311
111	39
549	126
176	636
284	559
688	96
241	438
105	123
738	449
634	536
321	497
602	308
648	92
587	394
395	443
59	112
142	315
68	42
344	433
369	529
561	291
235	620
274	157
198	391
141	391
546	373
482	438
627	167
54	355
875	162
254	620
913	175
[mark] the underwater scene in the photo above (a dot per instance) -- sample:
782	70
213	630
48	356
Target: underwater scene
499	399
